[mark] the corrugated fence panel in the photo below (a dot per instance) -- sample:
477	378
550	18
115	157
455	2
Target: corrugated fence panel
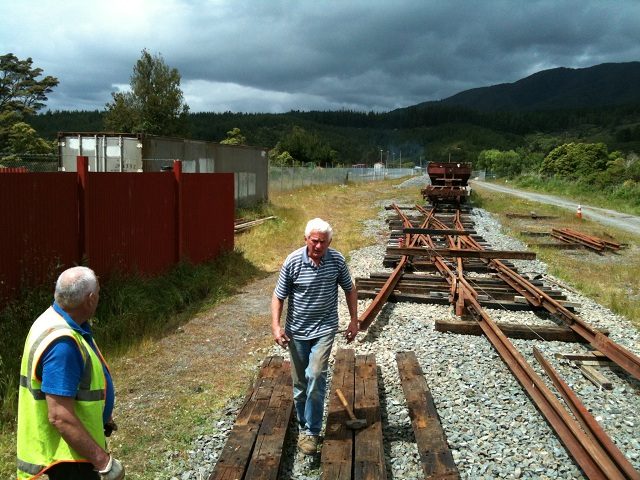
131	222
208	215
38	228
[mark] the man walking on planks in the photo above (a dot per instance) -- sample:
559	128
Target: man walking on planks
310	277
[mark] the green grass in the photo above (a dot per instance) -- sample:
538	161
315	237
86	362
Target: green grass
15	321
131	309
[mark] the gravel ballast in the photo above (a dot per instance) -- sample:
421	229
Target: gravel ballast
493	428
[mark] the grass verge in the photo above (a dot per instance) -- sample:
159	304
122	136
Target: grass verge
623	198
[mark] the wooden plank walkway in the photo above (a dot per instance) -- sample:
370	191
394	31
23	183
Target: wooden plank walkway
346	453
369	447
254	447
435	455
337	448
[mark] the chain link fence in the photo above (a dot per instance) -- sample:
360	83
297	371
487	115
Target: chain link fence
289	178
28	163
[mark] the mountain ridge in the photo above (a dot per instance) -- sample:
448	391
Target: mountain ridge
603	85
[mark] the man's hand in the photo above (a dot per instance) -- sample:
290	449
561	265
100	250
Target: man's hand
352	330
114	470
281	338
110	427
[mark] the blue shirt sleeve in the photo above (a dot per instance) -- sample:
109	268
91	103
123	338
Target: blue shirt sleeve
344	277
283	286
60	368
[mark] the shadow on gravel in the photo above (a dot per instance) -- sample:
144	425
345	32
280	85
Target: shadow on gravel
381	321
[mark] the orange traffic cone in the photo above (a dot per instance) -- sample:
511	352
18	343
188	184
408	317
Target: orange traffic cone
579	212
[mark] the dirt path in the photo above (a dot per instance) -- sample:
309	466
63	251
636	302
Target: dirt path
214	354
623	221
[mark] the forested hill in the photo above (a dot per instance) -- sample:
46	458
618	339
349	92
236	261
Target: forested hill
608	84
576	109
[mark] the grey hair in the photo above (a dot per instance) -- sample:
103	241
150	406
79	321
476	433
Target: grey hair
73	285
318	225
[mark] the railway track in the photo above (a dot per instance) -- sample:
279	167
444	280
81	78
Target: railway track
596	455
426	270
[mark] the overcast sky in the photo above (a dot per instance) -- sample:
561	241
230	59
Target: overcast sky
280	55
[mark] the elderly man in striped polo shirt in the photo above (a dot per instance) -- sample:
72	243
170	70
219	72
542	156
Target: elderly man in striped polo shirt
309	278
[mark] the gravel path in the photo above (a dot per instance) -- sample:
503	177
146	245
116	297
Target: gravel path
493	428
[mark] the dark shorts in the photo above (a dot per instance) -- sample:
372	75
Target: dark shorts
73	471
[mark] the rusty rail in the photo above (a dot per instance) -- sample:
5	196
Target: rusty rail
590	456
588	422
589	241
536	297
369	315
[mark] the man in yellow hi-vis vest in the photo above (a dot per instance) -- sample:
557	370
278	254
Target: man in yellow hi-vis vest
66	393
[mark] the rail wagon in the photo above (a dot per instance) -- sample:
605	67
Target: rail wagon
449	183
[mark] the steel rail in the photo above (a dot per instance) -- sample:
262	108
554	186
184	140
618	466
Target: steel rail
369	315
457	295
596	243
615	352
588	422
590	456
577	238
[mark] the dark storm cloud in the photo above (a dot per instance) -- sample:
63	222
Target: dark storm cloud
278	55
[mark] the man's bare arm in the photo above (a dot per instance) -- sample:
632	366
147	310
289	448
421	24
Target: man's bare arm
62	416
276	312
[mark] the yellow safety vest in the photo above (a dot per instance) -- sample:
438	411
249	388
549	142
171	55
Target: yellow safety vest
40	445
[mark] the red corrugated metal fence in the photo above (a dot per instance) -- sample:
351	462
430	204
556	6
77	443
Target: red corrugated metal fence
207	223
38	228
126	222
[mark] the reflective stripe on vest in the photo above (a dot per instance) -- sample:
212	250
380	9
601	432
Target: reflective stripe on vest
29	468
39	443
84	389
85	395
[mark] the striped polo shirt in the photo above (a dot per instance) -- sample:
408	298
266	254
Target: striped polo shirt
313	292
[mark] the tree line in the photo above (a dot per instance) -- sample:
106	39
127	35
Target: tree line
594	145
